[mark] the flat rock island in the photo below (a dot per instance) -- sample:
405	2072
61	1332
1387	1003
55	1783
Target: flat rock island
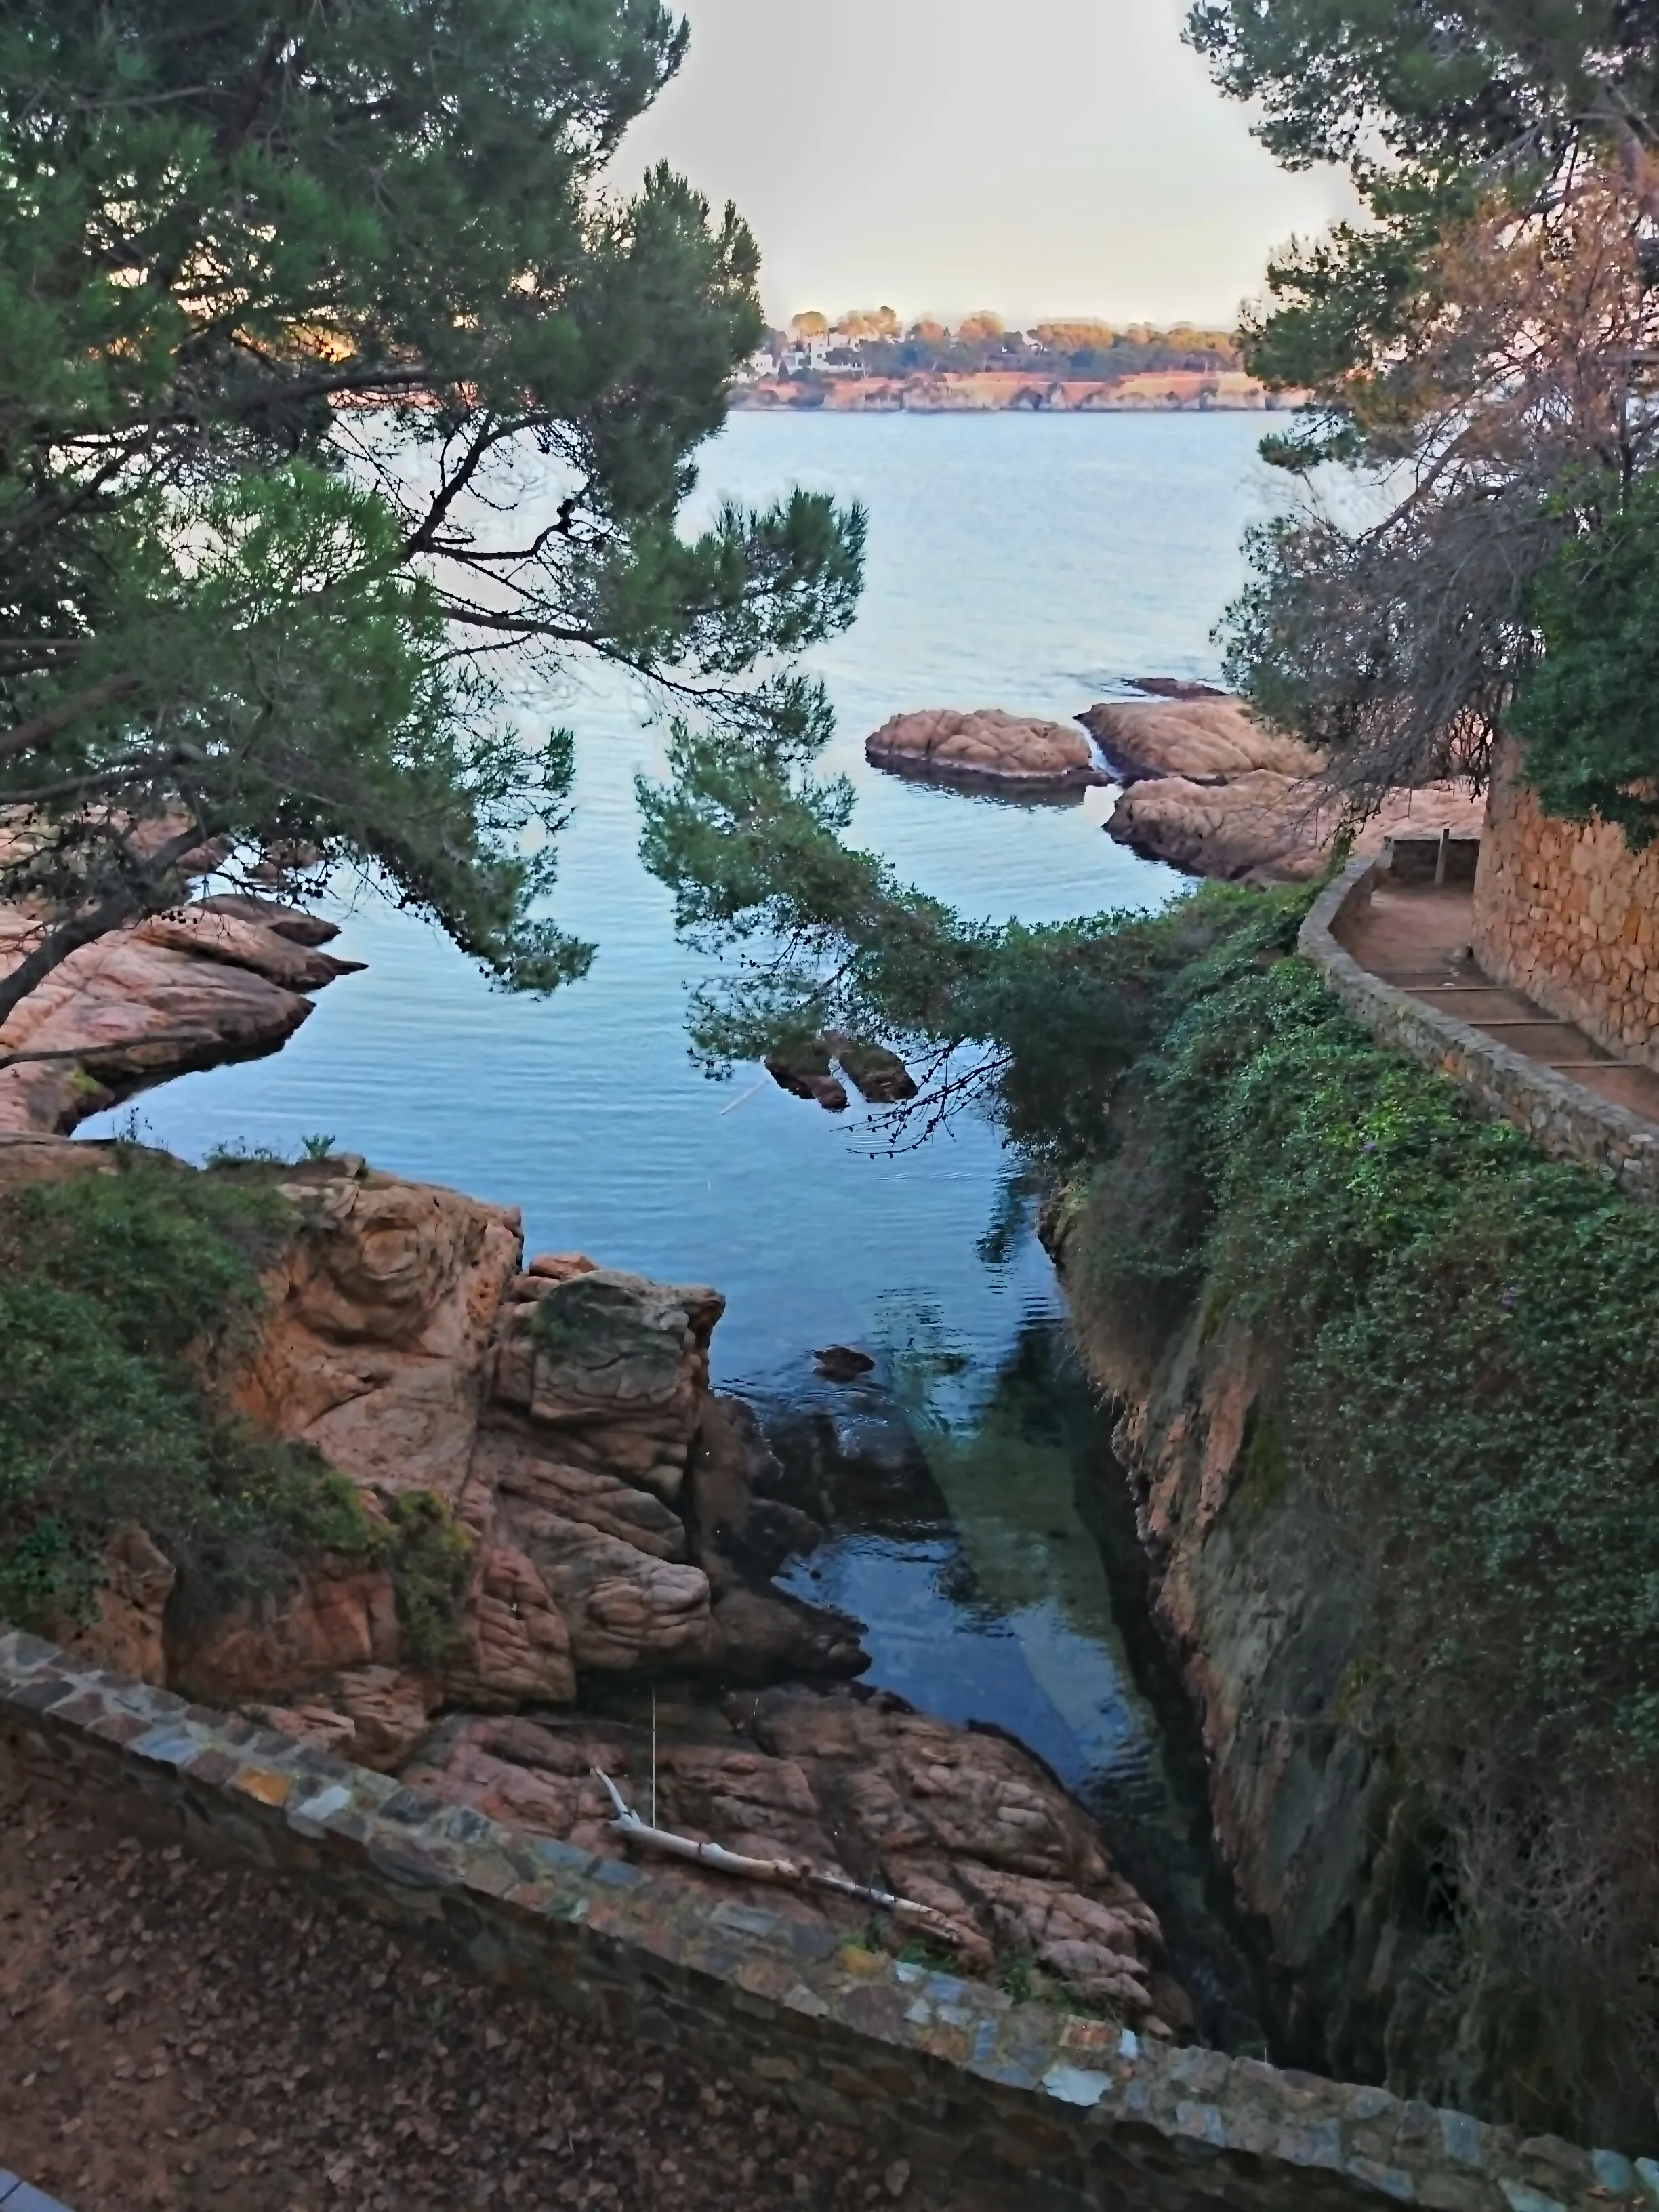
986	747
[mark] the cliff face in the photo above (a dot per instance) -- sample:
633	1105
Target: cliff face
1266	1605
1360	1859
546	1415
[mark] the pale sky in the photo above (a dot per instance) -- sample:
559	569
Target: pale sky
1040	157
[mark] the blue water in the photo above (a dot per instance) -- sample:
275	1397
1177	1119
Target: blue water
1035	563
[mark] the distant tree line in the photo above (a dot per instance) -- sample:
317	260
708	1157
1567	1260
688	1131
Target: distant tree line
1081	349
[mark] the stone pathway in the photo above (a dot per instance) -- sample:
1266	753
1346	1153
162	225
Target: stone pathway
174	2033
1417	937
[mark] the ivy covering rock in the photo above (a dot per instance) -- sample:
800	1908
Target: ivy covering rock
1450	1372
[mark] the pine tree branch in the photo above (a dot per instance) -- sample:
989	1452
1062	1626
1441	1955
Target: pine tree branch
25	736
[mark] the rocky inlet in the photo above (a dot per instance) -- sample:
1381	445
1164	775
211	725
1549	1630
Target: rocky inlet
617	1524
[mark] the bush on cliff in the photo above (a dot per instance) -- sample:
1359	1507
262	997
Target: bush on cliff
123	1296
1469	1337
1462	1345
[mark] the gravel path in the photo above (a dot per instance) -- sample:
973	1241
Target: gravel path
175	2033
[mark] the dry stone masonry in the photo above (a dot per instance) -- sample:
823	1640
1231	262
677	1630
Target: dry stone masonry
1566	912
1564	1119
1108	2120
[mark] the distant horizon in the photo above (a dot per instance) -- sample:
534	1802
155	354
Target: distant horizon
953	319
1072	160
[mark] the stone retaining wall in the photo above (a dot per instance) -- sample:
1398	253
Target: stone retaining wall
1099	2119
1563	1120
1566	912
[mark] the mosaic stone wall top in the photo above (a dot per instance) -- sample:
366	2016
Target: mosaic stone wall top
956	2070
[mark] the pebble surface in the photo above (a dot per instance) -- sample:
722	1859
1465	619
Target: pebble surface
175	2033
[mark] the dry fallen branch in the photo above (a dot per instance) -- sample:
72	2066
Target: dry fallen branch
793	1873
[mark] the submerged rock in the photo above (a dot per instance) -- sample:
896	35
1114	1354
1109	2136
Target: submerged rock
806	1070
879	1077
842	1362
845	1452
1175	687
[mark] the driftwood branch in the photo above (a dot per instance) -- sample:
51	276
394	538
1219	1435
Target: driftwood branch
793	1873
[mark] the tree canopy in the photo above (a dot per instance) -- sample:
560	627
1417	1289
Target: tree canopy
1482	354
1379	84
296	300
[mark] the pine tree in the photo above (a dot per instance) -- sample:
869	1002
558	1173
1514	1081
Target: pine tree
293	298
1480	353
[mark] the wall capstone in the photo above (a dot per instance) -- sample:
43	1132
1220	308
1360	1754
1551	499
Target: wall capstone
1564	1119
1097	2117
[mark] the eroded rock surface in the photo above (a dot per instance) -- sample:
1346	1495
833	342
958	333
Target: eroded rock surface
987	745
1201	738
216	980
554	1411
1264	1600
962	1821
1207	788
1212	792
1263	827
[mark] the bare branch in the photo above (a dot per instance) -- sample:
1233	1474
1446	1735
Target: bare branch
794	1874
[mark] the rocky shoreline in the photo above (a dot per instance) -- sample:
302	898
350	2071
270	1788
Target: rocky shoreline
1204	787
217	980
616	1524
610	1524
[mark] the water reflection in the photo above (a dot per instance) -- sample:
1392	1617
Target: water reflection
951	1501
981	1528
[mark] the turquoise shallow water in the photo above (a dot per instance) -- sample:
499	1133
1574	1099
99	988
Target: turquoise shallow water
1035	563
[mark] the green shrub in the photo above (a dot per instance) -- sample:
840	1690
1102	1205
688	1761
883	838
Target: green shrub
123	1296
1459	1351
1584	711
429	1554
1466	1338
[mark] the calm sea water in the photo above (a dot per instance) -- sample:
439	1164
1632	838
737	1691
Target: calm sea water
1035	563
